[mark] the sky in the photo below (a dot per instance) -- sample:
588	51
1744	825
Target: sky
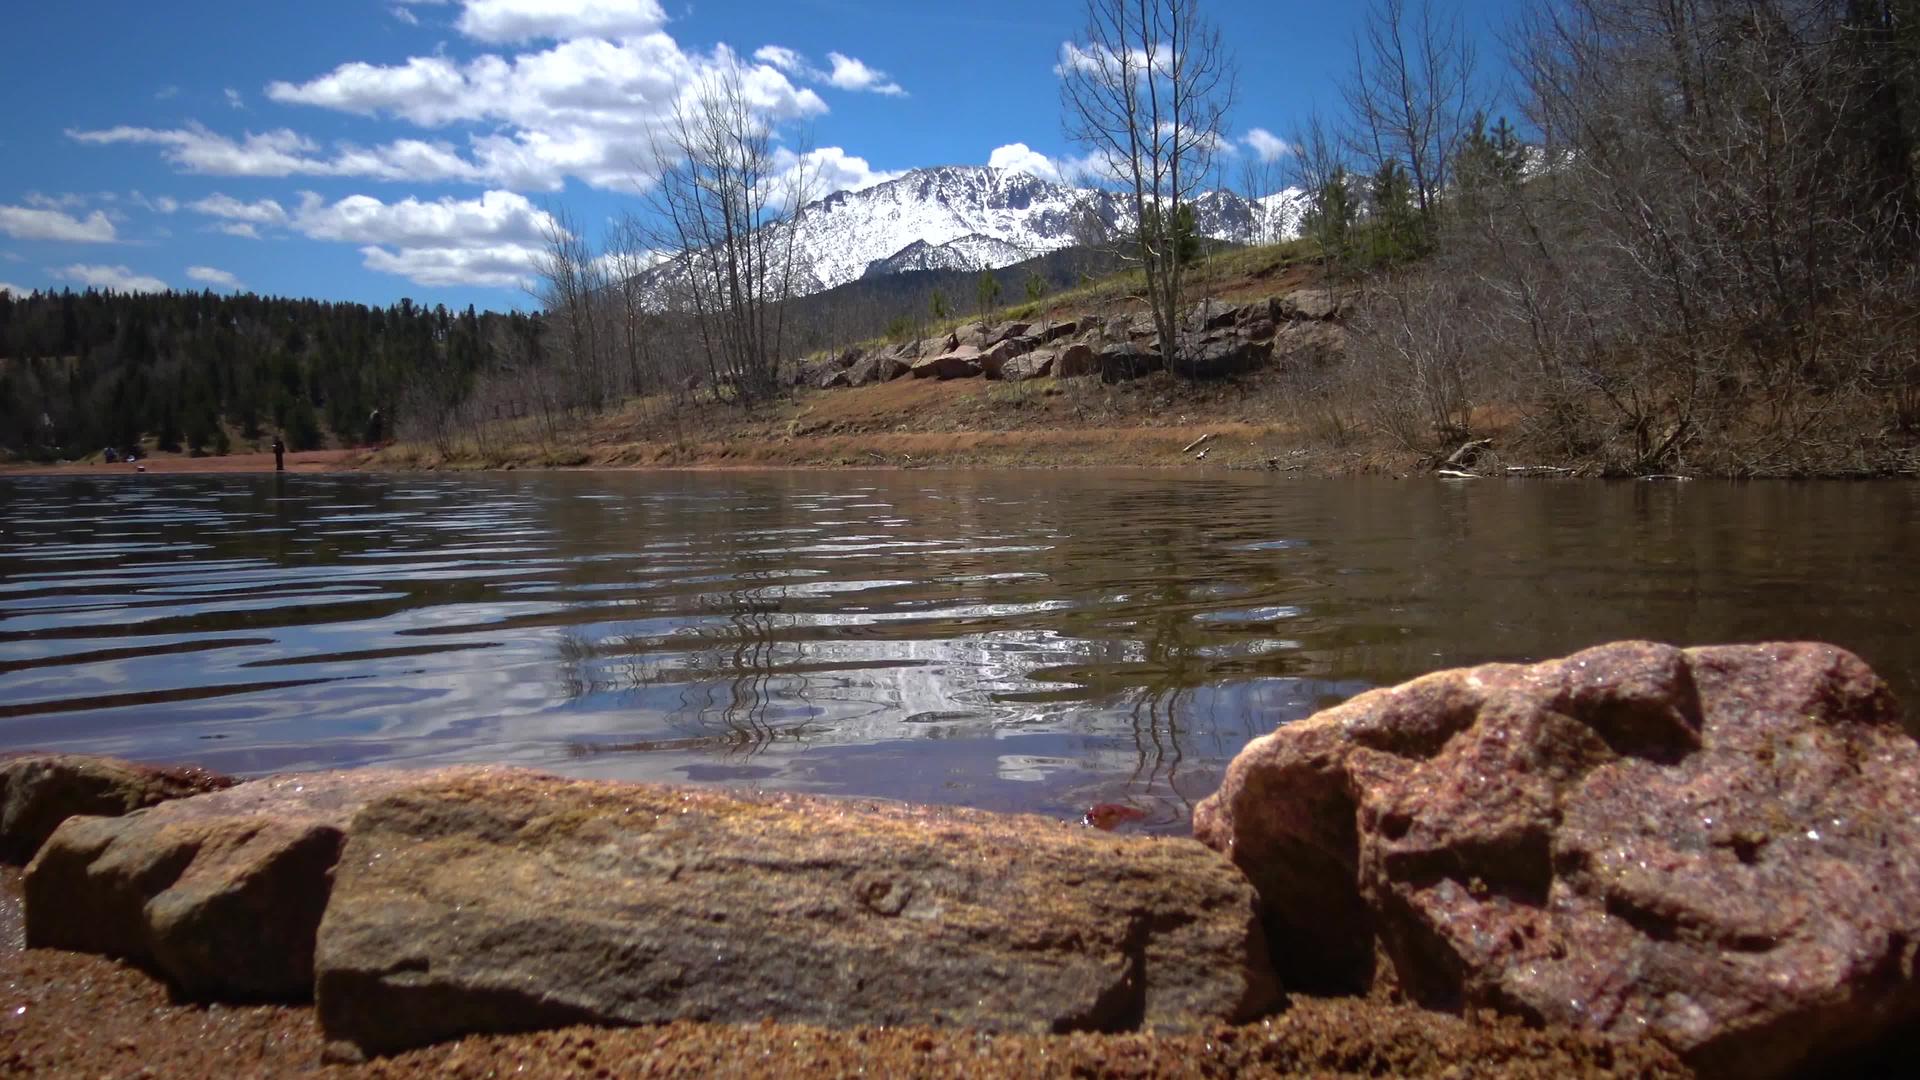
370	150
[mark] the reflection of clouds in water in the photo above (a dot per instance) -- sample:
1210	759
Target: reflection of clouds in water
1015	640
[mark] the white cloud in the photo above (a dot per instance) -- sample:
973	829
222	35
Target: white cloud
279	153
117	278
780	56
1097	60
44	223
405	15
851	74
493	241
509	21
20	292
1020	157
241	229
234	98
260	212
208	275
830	169
159	204
1268	146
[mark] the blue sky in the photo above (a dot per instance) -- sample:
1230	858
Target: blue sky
374	149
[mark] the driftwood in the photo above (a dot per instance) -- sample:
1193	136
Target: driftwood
1188	449
1456	474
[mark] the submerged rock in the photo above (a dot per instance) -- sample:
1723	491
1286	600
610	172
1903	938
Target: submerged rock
220	893
515	903
1715	847
39	791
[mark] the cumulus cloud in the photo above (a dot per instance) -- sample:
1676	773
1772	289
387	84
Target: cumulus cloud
243	230
830	168
259	212
117	278
18	291
785	59
46	223
208	275
851	74
1020	157
494	241
510	21
1266	145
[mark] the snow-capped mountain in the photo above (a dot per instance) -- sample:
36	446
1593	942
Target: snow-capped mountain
975	217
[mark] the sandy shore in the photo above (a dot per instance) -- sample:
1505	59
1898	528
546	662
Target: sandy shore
311	461
66	1014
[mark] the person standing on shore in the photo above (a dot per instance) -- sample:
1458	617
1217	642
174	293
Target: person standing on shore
279	455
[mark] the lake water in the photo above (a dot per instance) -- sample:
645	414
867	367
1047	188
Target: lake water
1028	641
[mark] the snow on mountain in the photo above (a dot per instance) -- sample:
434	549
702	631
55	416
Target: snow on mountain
976	217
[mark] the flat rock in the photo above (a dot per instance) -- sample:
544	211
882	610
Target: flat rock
513	903
1716	847
39	791
220	893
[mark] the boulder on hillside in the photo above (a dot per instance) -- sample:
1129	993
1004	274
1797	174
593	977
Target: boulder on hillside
875	368
220	893
1122	361
962	362
1218	354
39	791
510	904
1007	332
995	359
833	377
1310	303
1309	343
1716	847
1076	360
1037	364
1051	332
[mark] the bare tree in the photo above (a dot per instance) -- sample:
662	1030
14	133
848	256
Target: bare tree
1411	94
726	212
1147	90
568	286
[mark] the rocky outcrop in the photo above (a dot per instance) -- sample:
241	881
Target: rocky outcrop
875	368
1124	360
1076	360
1315	304
1716	847
507	905
220	893
959	362
39	791
1034	365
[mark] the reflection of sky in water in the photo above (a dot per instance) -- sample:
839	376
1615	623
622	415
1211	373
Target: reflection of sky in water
1029	641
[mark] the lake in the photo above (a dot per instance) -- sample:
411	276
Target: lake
1027	641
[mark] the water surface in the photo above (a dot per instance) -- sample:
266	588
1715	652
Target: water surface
1014	640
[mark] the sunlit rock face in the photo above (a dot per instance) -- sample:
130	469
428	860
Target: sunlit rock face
1712	846
510	903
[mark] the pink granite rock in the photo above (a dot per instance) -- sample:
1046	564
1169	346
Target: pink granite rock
1716	847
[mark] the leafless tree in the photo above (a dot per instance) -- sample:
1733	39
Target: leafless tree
1146	89
724	212
569	285
1411	94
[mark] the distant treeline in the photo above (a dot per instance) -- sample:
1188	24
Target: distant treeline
192	371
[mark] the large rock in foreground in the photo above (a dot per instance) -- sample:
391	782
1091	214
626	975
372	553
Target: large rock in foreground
1715	846
511	905
220	893
39	791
